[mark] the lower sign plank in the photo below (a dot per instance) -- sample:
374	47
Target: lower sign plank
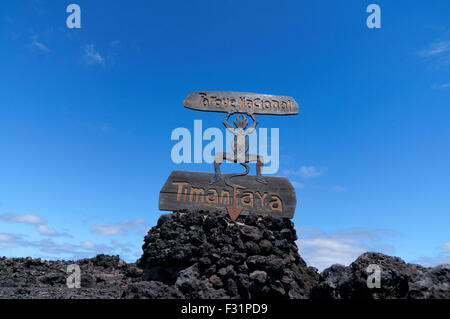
192	190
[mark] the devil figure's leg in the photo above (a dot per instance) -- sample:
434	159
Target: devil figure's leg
217	174
259	166
218	159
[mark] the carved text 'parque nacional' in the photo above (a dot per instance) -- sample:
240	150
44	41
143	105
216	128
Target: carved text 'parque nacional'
240	102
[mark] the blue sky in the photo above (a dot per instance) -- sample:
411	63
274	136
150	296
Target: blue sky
86	117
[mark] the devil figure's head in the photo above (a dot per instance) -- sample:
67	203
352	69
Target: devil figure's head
241	122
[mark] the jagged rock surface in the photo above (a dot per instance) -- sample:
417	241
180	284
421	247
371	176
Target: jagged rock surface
398	280
206	255
101	277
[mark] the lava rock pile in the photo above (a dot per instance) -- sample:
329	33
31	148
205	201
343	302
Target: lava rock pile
206	255
398	280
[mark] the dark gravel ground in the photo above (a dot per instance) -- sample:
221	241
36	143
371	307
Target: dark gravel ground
101	277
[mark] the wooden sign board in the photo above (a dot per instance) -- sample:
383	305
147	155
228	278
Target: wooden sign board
192	190
239	102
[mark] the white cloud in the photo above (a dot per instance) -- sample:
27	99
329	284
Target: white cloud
39	45
38	222
5	238
99	248
297	185
308	172
115	43
440	258
305	172
91	56
124	247
48	231
49	249
427	261
11	240
438	54
85	249
38	7
436	48
339	188
322	250
446	246
49	246
30	219
99	126
117	229
88	245
441	86
328	252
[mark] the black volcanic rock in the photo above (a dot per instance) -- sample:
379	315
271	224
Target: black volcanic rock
398	280
207	255
101	277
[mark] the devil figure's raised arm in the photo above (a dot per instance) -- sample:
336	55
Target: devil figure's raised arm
225	122
252	127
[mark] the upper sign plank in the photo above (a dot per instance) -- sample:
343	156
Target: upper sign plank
239	102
